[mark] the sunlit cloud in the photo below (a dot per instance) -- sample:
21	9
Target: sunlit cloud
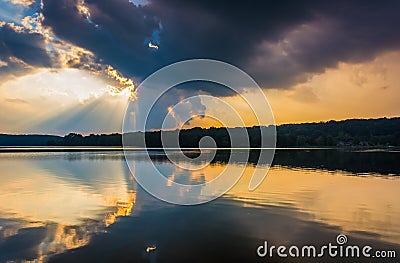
16	60
3	63
62	54
15	27
60	102
359	90
34	24
123	85
352	90
22	2
313	66
83	9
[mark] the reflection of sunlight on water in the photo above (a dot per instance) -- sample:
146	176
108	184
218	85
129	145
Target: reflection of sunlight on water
71	196
70	199
365	205
123	207
63	237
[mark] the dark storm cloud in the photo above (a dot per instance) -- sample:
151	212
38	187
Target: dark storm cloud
277	42
206	88
116	35
20	50
190	29
352	31
227	30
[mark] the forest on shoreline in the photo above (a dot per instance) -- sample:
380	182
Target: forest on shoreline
382	132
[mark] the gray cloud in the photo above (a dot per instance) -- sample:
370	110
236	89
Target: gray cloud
115	32
25	46
21	50
277	42
31	46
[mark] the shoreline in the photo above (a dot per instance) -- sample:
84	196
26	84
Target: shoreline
4	149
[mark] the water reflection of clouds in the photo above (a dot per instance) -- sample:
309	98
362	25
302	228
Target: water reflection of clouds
58	201
65	201
358	204
363	205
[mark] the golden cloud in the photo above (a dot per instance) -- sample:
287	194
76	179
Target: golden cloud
119	84
22	2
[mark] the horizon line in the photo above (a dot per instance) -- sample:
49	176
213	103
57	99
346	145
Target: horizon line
212	127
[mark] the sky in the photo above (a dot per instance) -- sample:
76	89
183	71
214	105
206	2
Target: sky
74	65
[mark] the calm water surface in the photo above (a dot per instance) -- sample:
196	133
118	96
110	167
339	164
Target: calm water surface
86	207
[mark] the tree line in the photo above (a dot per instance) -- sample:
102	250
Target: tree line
354	132
346	133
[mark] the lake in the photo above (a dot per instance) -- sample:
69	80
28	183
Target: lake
85	206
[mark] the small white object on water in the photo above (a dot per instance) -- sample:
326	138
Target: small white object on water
151	248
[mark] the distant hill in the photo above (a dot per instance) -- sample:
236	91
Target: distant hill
27	140
347	133
353	132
